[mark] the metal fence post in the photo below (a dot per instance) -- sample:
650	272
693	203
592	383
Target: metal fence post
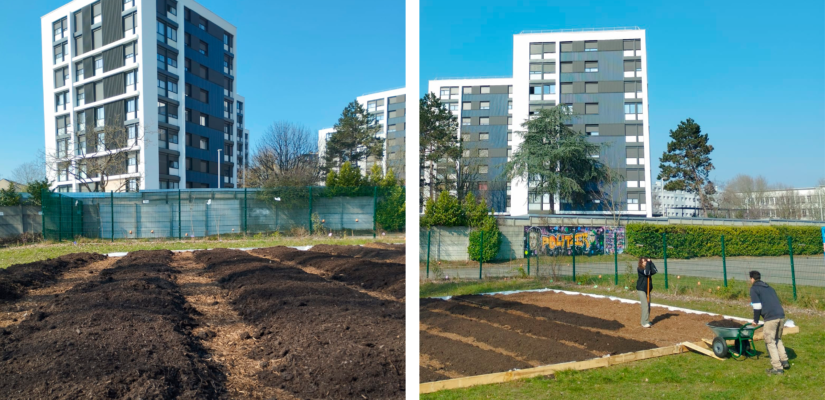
664	250
43	211
310	210
59	217
538	265
574	264
374	210
429	234
112	206
180	218
724	263
527	253
615	260
793	272
245	213
481	254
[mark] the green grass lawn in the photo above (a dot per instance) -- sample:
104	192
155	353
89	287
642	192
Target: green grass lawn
41	251
685	376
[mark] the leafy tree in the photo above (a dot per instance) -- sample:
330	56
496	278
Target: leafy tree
475	211
347	176
686	163
438	141
9	197
354	138
558	160
446	210
35	188
487	250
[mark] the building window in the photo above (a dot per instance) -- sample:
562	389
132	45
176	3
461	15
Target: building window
482	186
467	90
485	105
98	65
591	87
96	11
467	105
97	38
60	28
591	45
485	90
204	144
591	108
566	47
548	89
484	121
566	88
81	97
60	101
81	121
591	66
131	80
203	24
445	93
131	109
62	123
204	49
60	53
127	4
566	67
204	120
99	117
131	131
484	136
591	130
129	26
483	152
465	121
204	96
483	169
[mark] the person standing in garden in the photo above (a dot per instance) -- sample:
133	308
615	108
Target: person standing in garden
644	285
766	304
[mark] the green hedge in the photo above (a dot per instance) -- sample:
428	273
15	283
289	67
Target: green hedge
689	241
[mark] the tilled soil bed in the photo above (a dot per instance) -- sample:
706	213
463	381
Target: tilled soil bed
361	271
16	280
529	329
372	253
124	334
315	338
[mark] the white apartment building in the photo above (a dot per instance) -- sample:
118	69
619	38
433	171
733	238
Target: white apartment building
600	73
114	71
675	203
389	109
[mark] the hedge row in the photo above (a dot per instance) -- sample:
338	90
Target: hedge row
705	241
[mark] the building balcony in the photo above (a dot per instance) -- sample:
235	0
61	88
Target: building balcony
632	53
174	171
633	95
535	97
633	74
228	179
227	136
131	169
171	16
227	158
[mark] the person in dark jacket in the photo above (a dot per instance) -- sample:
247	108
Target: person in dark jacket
644	285
766	304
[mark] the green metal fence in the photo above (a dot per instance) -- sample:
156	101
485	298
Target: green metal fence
188	213
795	276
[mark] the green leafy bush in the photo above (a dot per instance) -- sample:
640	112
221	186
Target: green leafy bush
491	241
690	241
446	210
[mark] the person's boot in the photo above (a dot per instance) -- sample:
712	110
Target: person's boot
786	365
772	371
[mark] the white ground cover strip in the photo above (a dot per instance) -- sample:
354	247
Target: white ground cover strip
788	323
302	248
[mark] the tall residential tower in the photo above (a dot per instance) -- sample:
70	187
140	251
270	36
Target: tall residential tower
119	66
600	73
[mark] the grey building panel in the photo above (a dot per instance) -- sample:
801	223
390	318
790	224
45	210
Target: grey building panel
498	120
114	113
112	21
475	113
578	46
578	87
612	152
611	68
611	45
114	85
113	59
88	66
611	87
500	89
86	29
397	120
581	56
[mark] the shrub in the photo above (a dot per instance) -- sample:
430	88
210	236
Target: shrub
390	213
492	241
705	241
446	210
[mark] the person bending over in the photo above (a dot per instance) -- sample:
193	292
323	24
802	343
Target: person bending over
766	304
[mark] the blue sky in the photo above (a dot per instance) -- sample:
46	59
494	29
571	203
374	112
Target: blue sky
300	61
752	74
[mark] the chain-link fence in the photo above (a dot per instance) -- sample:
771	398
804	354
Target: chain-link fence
190	213
590	256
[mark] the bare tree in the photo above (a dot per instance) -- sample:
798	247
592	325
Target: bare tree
104	159
285	156
746	196
31	171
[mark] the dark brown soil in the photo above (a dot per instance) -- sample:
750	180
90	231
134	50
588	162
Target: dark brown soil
454	355
591	340
364	273
319	339
428	375
726	323
124	335
16	280
567	317
374	254
545	351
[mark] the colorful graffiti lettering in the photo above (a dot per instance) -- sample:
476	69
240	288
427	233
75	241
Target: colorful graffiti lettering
564	240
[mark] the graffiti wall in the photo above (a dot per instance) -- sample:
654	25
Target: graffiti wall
564	240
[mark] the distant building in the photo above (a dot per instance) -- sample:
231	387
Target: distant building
674	203
793	203
19	187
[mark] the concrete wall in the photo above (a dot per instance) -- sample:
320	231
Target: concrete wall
16	220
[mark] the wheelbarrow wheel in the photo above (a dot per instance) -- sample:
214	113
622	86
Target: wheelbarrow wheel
720	347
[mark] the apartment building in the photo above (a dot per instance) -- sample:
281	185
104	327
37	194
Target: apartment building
113	71
389	109
600	73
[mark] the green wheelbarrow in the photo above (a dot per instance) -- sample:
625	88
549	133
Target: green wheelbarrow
742	337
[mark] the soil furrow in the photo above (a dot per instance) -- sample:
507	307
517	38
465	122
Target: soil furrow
126	334
464	358
18	279
545	313
375	254
473	342
319	339
591	340
543	351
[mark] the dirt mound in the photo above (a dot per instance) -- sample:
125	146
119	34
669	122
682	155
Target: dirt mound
375	254
365	273
726	323
126	335
318	339
17	279
387	246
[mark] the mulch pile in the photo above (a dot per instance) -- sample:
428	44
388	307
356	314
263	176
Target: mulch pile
316	339
126	334
16	280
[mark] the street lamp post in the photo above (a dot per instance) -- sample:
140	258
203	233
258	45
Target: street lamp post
219	168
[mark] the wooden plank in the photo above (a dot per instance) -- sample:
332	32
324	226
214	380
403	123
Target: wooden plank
701	349
500	377
758	335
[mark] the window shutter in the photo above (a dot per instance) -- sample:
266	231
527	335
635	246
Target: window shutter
550	47
628	44
591	44
591	64
536	48
591	87
566	67
549	68
58	78
591	108
629	66
566	47
535	67
629	87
